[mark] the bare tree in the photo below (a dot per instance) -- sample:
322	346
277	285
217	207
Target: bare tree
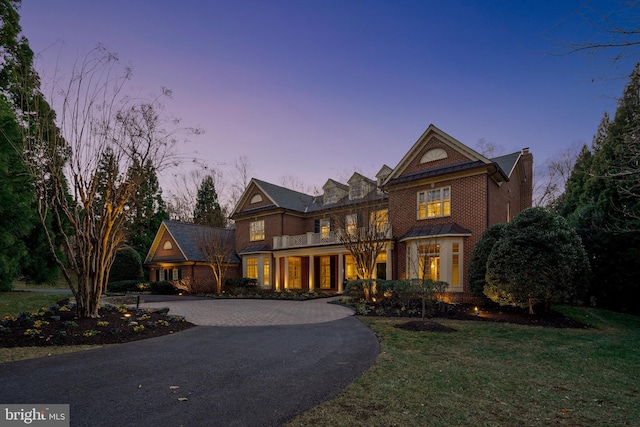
617	30
86	199
552	175
364	230
218	246
489	149
425	269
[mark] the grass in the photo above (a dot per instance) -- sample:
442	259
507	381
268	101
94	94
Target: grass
485	374
12	303
488	374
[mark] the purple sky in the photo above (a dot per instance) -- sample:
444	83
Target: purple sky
314	89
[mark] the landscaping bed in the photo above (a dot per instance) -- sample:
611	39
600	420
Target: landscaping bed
58	325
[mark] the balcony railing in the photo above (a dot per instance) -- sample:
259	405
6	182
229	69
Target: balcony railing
318	239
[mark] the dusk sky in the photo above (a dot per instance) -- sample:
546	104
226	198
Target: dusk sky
313	89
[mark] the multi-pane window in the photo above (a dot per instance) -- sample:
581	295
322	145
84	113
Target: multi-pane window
266	271
350	272
429	261
295	273
252	268
256	230
437	260
434	203
380	220
325	228
325	272
351	222
455	264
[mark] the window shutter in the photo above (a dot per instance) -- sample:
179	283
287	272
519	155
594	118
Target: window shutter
316	226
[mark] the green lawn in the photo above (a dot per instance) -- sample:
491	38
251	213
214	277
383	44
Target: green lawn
488	374
13	303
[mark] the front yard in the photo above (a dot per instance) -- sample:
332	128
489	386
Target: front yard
495	374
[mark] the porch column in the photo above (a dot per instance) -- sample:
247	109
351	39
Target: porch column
389	263
340	273
277	275
286	273
312	284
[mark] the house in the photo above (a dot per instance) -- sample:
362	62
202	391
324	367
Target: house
428	212
425	216
179	253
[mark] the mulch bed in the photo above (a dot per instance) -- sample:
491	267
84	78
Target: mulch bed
492	314
59	326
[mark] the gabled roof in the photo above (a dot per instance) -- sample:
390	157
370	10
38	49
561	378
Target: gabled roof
435	230
447	139
280	197
508	162
186	236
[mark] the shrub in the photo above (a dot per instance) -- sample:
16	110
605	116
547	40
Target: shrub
243	282
163	288
127	265
125	286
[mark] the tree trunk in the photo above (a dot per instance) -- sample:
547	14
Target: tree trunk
531	305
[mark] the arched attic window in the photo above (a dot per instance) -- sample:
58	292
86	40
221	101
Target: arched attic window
167	245
256	198
433	155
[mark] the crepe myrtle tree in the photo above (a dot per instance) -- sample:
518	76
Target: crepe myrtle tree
217	245
87	197
363	228
425	272
538	259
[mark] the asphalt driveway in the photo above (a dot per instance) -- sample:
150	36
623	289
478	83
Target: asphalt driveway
205	376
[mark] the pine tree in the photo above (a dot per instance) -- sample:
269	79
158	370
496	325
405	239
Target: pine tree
147	209
208	210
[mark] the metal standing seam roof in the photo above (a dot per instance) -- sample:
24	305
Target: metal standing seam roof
451	228
186	236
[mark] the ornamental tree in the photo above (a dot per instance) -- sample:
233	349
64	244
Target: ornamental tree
539	259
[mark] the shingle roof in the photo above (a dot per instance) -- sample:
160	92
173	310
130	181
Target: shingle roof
435	230
186	236
507	162
289	199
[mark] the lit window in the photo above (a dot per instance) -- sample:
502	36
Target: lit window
325	272
256	230
455	264
434	203
167	246
295	278
351	222
265	270
380	220
252	268
325	228
429	262
350	271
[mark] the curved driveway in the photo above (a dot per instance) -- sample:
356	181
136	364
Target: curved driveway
249	312
207	375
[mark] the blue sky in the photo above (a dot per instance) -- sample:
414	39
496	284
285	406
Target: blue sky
313	89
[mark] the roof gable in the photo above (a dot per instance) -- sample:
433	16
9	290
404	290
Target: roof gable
185	236
435	149
275	196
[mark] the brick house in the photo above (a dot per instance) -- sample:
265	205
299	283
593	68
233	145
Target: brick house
176	255
436	203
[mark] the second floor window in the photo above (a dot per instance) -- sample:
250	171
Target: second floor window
434	203
351	223
256	230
